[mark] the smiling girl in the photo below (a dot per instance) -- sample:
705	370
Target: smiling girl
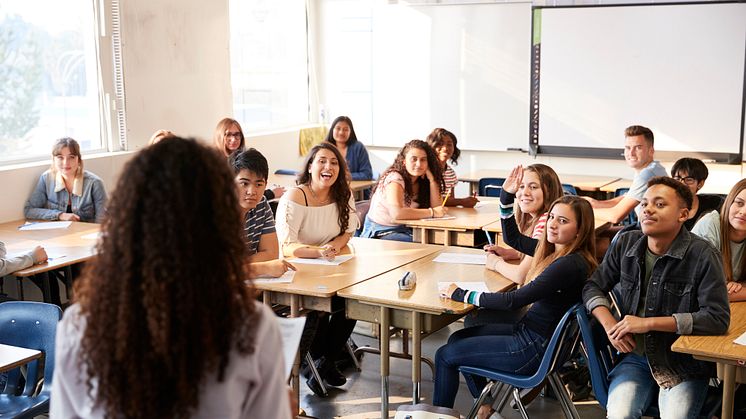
408	190
67	192
562	263
342	134
727	232
444	143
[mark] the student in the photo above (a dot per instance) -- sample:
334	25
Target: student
159	135
67	192
408	190
251	170
668	283
316	219
638	152
560	268
729	226
228	138
693	173
444	143
535	188
17	263
169	330
342	135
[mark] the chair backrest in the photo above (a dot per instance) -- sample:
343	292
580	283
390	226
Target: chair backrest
30	325
361	208
569	189
600	354
490	186
632	217
286	172
560	344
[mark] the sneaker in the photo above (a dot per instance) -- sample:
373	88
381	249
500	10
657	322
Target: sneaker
315	387
329	372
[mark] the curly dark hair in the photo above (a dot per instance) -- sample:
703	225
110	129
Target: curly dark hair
438	137
340	191
165	300
423	197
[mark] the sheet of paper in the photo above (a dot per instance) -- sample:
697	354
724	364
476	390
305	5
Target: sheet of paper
91	236
291	330
50	255
741	340
447	217
321	261
463	258
286	278
45	226
471	286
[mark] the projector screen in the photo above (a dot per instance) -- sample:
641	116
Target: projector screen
463	67
677	69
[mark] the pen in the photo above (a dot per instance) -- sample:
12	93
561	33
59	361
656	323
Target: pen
446	198
489	238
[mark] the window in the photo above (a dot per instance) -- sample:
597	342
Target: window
269	63
49	78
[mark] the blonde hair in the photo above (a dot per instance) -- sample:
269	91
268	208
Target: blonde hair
219	136
725	229
159	135
551	188
67	142
584	242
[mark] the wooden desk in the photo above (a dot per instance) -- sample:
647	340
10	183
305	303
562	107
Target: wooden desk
421	310
583	182
722	350
315	286
464	230
64	246
14	356
288	181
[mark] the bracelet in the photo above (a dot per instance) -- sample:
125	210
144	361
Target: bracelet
432	212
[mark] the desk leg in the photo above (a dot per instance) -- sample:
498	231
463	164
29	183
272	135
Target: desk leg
416	356
446	238
295	312
423	239
266	298
729	384
384	339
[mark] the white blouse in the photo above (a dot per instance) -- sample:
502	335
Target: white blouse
313	226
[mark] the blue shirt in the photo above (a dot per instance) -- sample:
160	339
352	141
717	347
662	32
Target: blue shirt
50	198
358	161
259	220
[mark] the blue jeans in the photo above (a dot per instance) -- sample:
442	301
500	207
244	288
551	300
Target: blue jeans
502	347
632	390
373	230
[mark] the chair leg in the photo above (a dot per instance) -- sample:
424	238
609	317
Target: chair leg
478	402
315	373
348	347
519	403
559	389
504	399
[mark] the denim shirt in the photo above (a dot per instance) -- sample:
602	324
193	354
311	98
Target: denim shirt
49	198
687	283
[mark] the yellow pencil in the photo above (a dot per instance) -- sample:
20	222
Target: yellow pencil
446	198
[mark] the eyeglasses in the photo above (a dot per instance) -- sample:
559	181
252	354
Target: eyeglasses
688	180
233	134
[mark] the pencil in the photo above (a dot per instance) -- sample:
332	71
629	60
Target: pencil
446	198
489	238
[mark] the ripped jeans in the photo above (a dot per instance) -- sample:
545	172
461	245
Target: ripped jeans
504	347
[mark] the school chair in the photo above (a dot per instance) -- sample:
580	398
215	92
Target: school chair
602	357
569	189
631	218
490	186
558	351
290	172
29	325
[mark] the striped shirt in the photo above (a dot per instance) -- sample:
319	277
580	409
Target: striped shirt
259	220
449	179
540	225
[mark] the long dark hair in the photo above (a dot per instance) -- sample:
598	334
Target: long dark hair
423	197
340	190
330	135
438	137
170	254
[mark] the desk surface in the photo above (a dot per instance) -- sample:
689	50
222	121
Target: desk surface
718	347
66	246
485	213
372	257
14	356
585	182
384	290
288	181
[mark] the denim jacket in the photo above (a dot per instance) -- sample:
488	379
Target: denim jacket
49	198
687	283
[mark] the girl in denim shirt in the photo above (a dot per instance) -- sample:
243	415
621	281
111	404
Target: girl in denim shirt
67	192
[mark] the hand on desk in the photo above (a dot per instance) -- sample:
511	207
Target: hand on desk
39	255
66	216
440	211
734	287
448	292
278	191
328	252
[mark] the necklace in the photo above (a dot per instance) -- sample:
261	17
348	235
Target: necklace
316	198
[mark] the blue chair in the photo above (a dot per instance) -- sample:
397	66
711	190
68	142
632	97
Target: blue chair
557	352
569	189
632	217
29	325
286	172
490	186
602	357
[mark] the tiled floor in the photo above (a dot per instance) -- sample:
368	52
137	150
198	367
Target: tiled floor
360	397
